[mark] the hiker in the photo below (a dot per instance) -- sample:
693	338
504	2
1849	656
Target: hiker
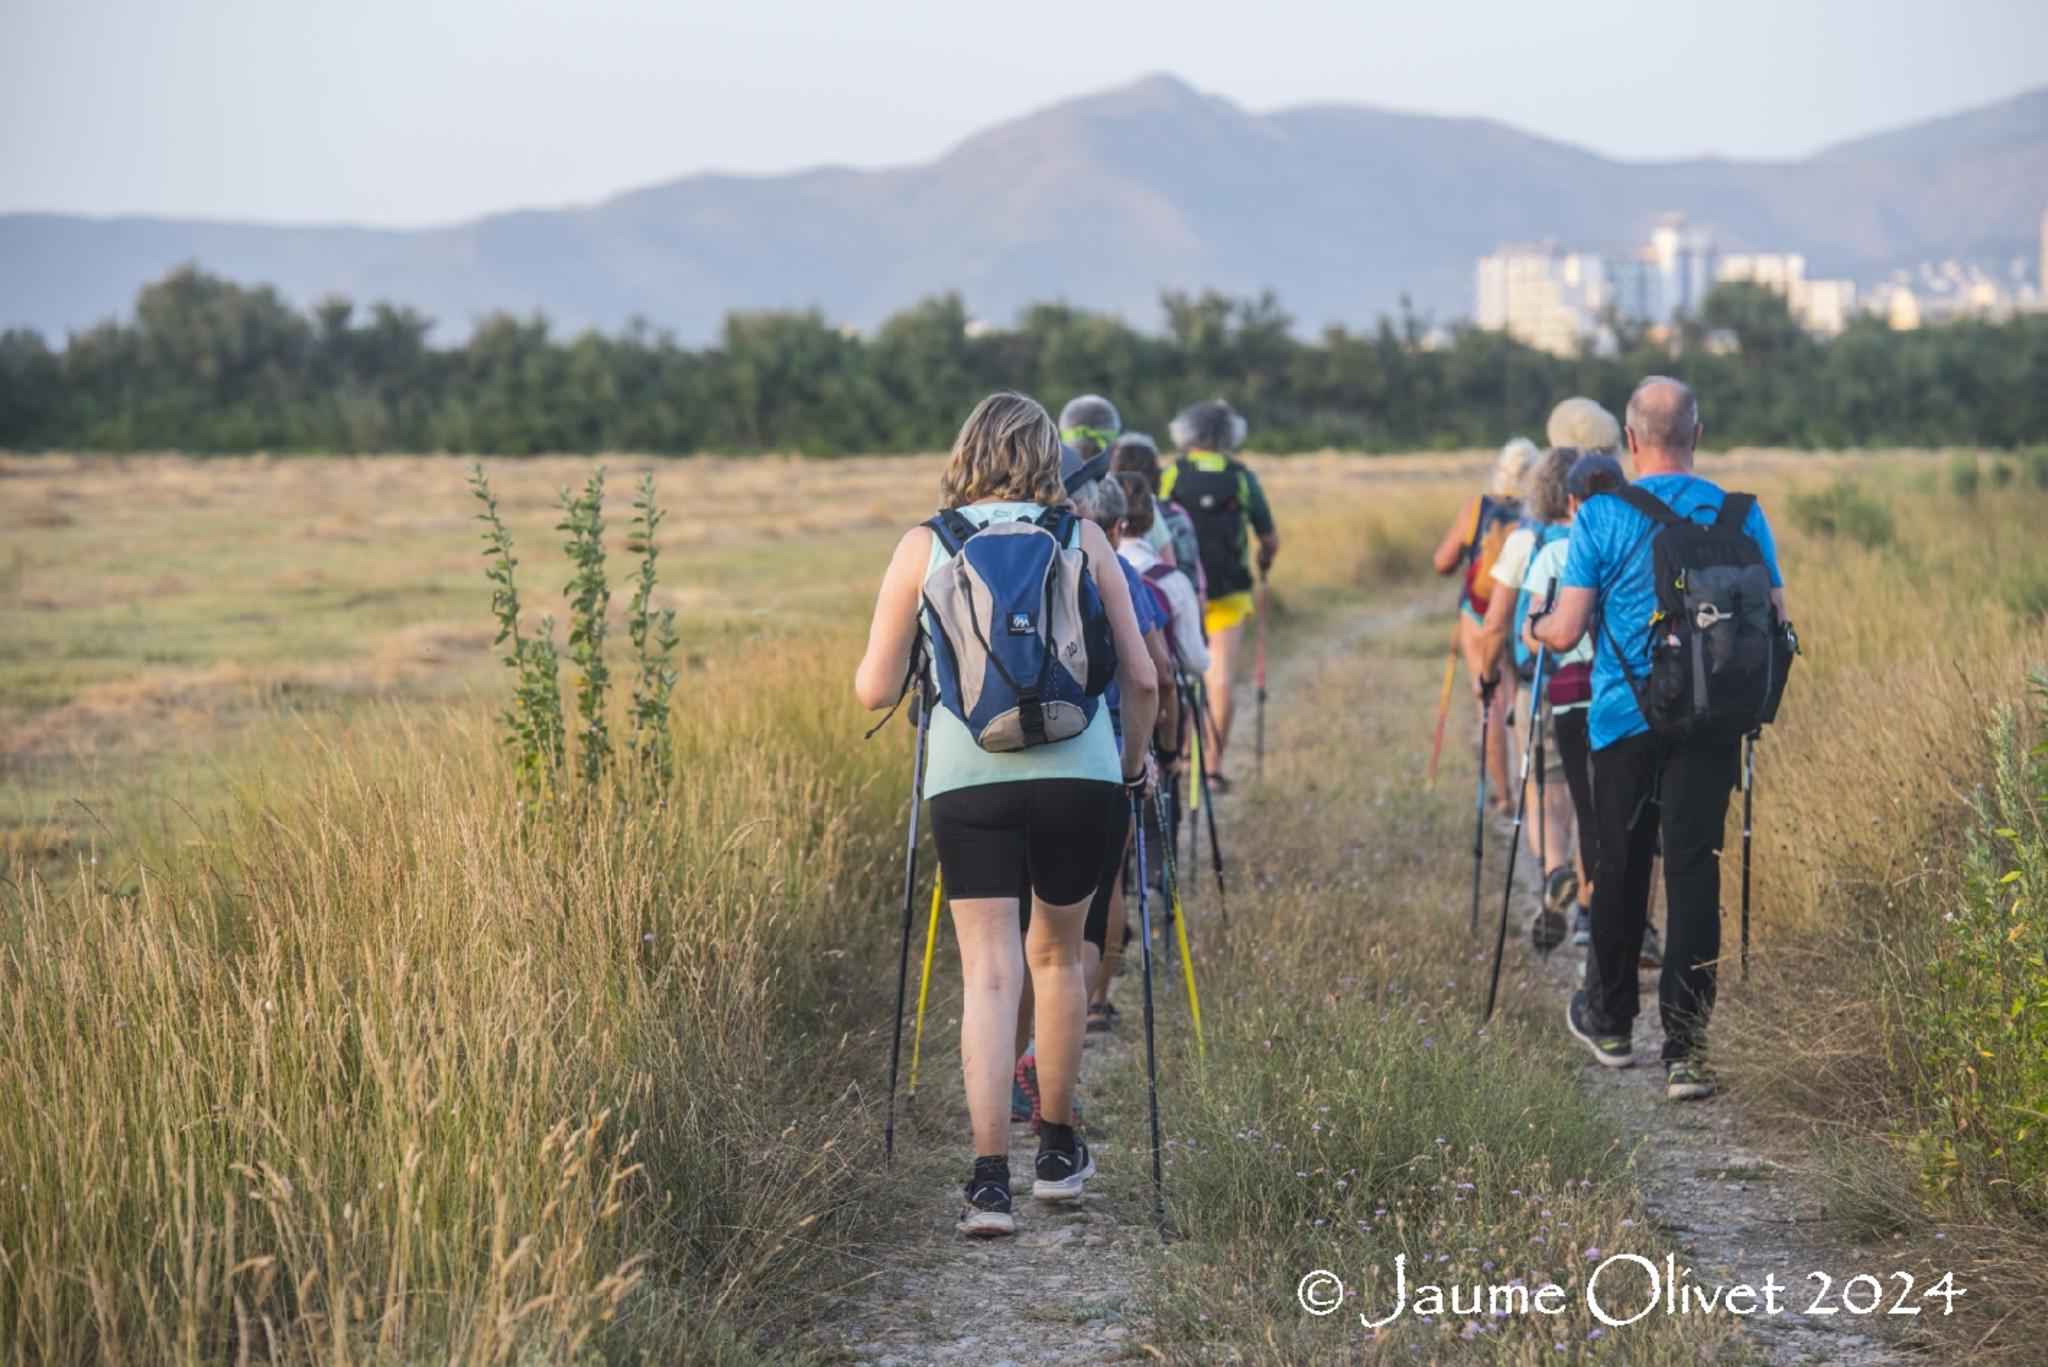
1501	649
1225	502
1173	532
1569	688
1050	809
1472	543
1647	786
1105	502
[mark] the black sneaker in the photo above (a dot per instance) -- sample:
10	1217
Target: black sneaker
1612	1051
1561	890
1063	1169
1546	930
987	1215
1688	1079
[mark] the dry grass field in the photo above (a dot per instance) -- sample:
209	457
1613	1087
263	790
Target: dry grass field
317	1044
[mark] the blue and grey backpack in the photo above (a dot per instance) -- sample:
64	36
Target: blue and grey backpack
1020	642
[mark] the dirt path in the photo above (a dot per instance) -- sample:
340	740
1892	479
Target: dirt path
1070	1287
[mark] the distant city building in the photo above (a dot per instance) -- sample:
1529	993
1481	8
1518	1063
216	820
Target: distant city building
1543	295
1562	301
1822	306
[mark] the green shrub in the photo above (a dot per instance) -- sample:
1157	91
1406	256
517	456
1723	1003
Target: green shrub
2036	459
2002	473
1963	475
1844	509
1982	1021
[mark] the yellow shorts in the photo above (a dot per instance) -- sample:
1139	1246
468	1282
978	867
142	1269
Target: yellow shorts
1228	611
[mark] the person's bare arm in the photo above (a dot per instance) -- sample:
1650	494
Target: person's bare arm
1137	682
1493	636
879	680
1450	552
1565	625
1166	730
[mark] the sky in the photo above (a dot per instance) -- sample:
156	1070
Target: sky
415	112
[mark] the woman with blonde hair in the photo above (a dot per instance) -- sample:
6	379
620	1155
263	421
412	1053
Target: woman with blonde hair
1047	813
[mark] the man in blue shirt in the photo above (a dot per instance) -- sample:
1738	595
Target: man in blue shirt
1645	786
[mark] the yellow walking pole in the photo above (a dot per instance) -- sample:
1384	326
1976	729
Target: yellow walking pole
1180	926
924	982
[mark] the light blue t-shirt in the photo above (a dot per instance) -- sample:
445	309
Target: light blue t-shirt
955	761
1609	552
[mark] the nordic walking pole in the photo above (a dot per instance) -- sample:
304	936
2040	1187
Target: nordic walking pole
1479	820
1180	925
1259	676
1748	800
1209	814
1191	700
924	717
1443	701
1500	938
924	984
1151	1049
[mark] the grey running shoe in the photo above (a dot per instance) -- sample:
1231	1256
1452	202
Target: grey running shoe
1582	925
1687	1079
1611	1051
1652	955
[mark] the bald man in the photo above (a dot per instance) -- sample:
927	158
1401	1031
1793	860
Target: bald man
1644	785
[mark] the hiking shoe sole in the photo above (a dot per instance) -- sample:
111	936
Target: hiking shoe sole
1561	891
988	1224
1604	1058
1067	1188
1546	930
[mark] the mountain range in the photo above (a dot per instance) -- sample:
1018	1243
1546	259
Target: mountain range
1103	201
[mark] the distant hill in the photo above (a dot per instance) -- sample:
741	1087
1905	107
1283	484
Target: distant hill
1102	201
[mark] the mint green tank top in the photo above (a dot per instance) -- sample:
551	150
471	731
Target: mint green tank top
955	761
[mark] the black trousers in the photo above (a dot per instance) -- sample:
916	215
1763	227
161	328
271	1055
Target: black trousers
1644	786
1568	732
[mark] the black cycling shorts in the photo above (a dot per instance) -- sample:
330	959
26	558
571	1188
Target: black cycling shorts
1057	832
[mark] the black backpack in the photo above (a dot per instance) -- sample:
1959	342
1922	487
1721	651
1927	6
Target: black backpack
1718	651
1213	502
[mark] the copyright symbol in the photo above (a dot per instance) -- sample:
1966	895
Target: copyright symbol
1320	1292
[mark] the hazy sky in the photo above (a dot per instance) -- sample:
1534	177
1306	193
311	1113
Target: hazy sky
422	111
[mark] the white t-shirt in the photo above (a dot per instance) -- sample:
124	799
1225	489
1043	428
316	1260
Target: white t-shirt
1188	645
1513	561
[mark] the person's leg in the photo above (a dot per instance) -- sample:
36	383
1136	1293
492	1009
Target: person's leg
1568	729
1697	783
1059	986
1216	680
1555	830
1072	834
1103	932
992	979
1024	998
1624	793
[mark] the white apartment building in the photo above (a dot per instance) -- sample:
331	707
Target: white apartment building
1822	306
1543	295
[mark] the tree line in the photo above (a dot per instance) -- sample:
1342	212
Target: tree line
209	365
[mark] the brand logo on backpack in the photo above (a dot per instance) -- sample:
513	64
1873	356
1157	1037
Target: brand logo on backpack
1023	624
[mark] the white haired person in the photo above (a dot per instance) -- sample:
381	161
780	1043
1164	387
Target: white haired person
1474	541
1048	812
1223	499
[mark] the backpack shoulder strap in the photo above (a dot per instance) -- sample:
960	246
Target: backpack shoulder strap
1647	503
1735	511
1061	522
952	528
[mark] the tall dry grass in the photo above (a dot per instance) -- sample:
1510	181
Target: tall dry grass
1866	791
386	1067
